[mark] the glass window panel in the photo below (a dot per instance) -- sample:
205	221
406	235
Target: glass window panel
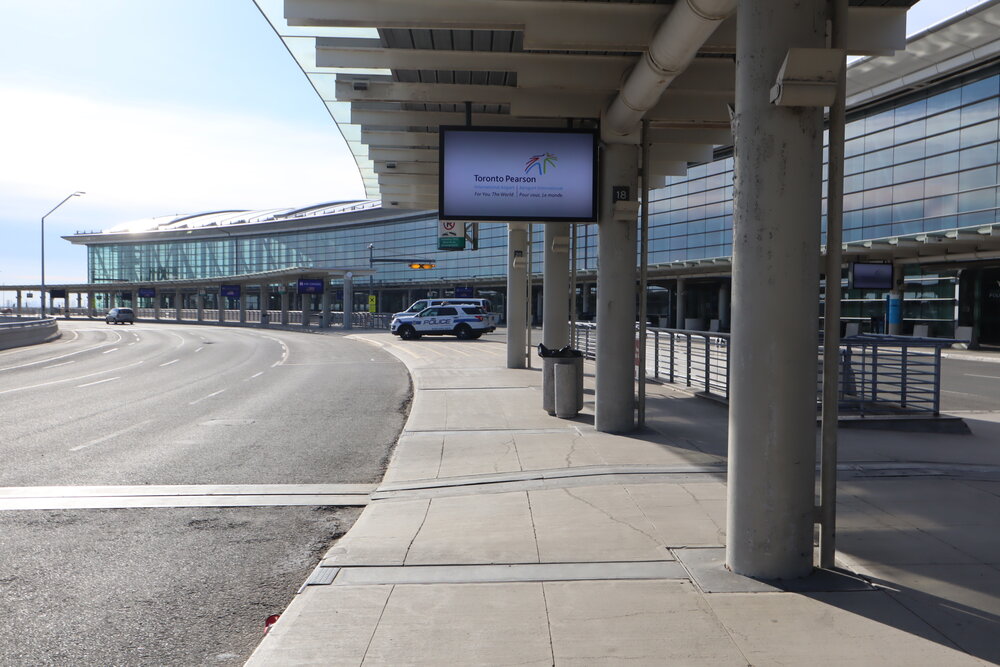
908	191
977	157
938	206
911	112
977	178
877	215
980	89
977	200
878	160
946	100
854	147
880	121
854	128
878	178
854	183
854	165
941	164
908	152
908	172
944	122
979	112
978	134
981	218
908	211
879	140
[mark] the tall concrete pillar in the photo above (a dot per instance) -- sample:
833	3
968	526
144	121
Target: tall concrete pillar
243	302
199	304
679	315
517	285
776	234
265	301
348	300
585	301
18	297
325	315
555	287
221	300
305	306
157	298
616	291
178	305
92	303
284	304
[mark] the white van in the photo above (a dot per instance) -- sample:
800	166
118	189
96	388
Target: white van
422	304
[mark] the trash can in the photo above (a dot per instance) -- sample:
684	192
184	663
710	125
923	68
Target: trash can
562	381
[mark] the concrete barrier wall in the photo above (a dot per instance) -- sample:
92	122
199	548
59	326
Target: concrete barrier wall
18	333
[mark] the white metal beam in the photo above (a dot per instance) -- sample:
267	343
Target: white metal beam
384	139
406	168
369	118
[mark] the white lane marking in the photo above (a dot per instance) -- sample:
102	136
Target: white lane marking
214	393
130	344
61	356
284	349
172	361
255	375
109	436
79	377
114	349
91	384
992	377
62	364
199	349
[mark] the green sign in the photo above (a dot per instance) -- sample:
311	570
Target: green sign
451	243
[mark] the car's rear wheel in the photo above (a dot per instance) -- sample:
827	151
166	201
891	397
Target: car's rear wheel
464	332
475	336
407	332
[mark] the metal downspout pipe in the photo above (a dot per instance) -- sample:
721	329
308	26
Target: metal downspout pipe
672	48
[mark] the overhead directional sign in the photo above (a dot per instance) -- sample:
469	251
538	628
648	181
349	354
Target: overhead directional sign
310	286
230	290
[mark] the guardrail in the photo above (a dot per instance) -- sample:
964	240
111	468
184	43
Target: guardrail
879	374
363	320
20	332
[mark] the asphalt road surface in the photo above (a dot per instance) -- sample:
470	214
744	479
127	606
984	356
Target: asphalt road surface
161	404
969	385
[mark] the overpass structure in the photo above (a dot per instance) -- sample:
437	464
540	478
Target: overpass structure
663	83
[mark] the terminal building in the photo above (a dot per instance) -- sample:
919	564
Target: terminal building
921	192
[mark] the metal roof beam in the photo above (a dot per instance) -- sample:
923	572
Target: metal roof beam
403	155
369	118
383	139
406	167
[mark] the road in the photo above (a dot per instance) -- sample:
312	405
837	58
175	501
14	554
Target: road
162	404
968	385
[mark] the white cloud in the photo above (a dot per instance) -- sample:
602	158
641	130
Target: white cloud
156	160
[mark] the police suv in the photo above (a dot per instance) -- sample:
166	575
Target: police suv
465	321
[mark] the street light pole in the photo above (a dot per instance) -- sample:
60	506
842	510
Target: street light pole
371	276
78	193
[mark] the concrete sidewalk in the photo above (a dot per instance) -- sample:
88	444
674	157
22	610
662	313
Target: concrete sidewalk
501	535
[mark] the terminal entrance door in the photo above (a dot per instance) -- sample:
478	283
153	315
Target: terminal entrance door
989	307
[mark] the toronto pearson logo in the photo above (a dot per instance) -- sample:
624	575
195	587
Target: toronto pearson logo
541	163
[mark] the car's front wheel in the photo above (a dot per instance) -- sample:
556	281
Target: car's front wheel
407	332
464	332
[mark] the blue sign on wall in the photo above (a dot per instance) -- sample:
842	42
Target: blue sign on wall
230	290
463	292
310	286
147	292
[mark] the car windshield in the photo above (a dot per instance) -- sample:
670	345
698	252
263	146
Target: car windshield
417	307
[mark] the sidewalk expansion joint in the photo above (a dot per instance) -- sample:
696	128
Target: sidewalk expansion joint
378	575
517	480
521	431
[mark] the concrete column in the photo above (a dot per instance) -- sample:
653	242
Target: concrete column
243	303
199	304
348	299
585	300
265	299
616	244
156	303
222	307
326	316
178	305
305	303
284	304
19	306
679	305
92	303
517	285
772	412
555	287
724	306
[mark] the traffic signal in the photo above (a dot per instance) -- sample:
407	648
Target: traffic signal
422	265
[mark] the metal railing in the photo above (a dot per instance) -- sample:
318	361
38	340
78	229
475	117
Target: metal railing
879	374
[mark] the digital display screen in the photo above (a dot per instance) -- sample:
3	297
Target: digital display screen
147	292
517	174
230	290
871	276
310	286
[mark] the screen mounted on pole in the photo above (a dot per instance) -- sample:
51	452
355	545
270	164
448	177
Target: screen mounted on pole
871	276
517	174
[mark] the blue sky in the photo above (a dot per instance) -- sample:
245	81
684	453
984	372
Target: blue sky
156	107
